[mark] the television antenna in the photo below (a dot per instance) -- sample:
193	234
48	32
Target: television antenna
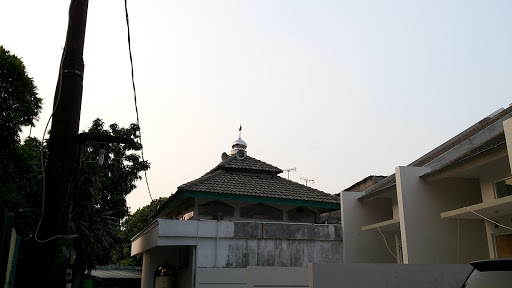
306	180
290	170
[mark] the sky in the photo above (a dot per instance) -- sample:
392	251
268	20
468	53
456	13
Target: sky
338	89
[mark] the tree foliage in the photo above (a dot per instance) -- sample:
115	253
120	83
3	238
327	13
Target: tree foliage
20	172
19	103
21	193
100	199
99	191
130	226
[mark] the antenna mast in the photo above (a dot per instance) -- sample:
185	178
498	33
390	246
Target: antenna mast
306	180
290	170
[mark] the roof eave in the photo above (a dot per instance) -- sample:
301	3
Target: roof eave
262	199
489	154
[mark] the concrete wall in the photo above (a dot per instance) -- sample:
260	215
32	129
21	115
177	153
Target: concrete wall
221	277
238	244
365	246
157	257
387	275
428	239
171	254
271	244
250	277
274	277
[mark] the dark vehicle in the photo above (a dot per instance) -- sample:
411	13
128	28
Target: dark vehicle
492	273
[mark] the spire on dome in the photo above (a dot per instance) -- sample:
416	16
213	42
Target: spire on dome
238	144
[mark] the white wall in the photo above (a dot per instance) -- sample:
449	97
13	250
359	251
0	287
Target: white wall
428	239
237	244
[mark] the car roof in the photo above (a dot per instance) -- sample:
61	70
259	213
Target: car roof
502	264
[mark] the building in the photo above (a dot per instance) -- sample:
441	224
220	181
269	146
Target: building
452	205
365	183
113	276
241	214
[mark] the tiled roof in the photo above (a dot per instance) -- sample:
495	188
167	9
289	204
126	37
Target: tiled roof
118	273
374	179
252	177
256	185
247	164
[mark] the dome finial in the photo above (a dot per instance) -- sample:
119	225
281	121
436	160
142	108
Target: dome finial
238	144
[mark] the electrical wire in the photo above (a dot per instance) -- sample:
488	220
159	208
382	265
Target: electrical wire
135	93
387	246
494	222
42	153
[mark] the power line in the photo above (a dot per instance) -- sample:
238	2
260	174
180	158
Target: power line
55	105
135	94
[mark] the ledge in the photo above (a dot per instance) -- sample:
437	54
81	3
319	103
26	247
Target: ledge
489	209
388	225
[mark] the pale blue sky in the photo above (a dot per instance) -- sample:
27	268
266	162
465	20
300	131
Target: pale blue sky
339	89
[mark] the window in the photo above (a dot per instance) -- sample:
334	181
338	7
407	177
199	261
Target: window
261	211
503	245
302	215
503	188
217	209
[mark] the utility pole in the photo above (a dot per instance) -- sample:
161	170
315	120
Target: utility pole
62	146
45	262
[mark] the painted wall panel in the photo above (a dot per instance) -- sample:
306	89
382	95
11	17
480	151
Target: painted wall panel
427	238
364	246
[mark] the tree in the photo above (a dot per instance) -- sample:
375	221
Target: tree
100	191
100	198
21	193
19	103
20	170
130	226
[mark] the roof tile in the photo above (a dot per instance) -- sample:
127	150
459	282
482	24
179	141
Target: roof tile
251	184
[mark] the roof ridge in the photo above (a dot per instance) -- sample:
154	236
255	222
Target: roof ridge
246	163
461	137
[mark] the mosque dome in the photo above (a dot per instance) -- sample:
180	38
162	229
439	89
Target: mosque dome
239	143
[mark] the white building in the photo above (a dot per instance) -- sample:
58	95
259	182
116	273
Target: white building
239	215
452	205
